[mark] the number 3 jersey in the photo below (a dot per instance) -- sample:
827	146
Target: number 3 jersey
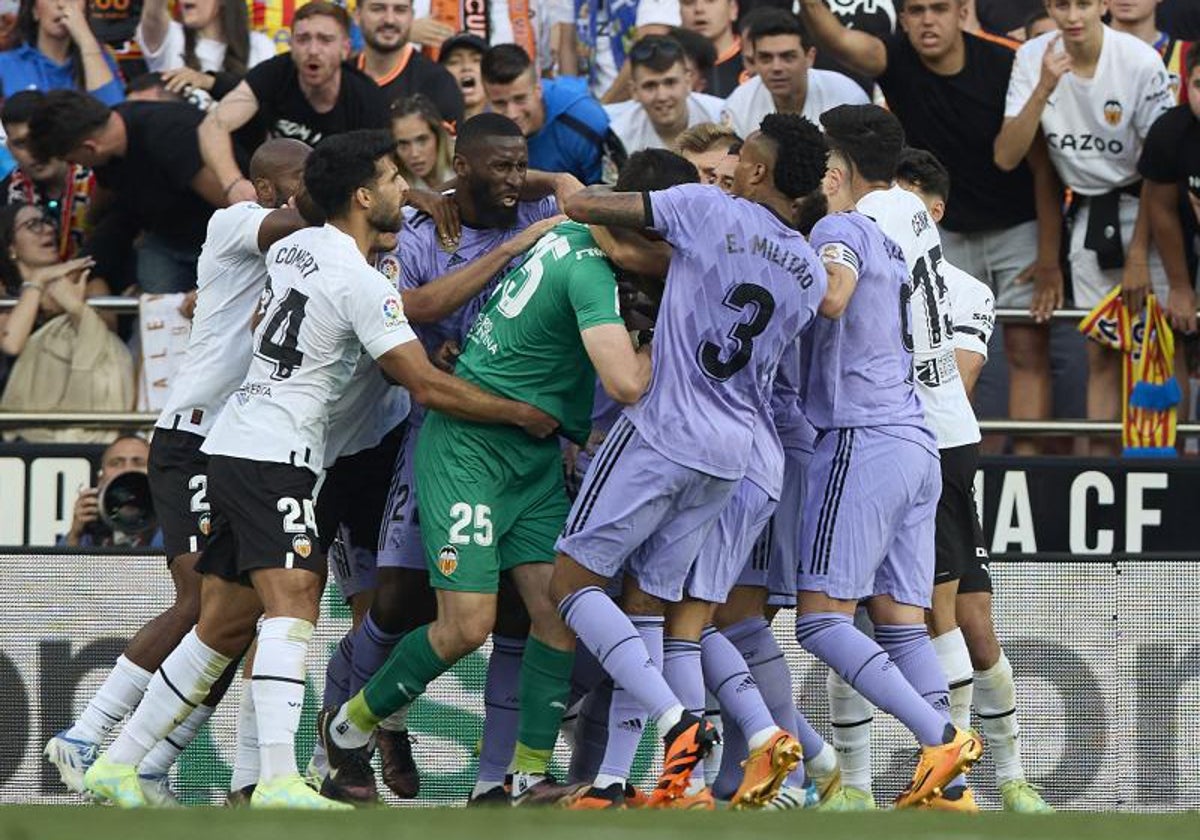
324	306
859	367
904	219
742	286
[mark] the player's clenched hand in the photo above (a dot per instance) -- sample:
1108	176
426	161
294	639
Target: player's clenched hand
446	356
527	238
535	421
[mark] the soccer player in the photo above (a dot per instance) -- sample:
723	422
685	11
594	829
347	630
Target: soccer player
231	278
741	286
492	501
1094	92
876	541
327	305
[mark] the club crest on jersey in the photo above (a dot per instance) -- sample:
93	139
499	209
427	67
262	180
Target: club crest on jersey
389	267
1113	112
302	545
204	523
447	560
393	312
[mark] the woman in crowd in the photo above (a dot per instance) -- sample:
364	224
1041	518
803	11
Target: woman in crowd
423	141
210	48
67	359
59	51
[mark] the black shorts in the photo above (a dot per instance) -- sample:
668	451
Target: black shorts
961	550
354	495
178	473
262	518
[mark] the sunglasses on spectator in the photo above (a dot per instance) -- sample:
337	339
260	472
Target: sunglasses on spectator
646	50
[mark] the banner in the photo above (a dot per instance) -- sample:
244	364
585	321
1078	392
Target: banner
38	487
1106	656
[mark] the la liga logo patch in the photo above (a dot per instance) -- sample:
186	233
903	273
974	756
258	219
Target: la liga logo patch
389	267
393	312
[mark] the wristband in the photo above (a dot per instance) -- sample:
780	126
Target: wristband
27	285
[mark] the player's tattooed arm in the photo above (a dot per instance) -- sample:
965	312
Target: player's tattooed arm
599	205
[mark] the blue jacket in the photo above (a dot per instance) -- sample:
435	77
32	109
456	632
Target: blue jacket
25	68
572	138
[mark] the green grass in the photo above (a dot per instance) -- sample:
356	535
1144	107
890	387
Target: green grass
80	823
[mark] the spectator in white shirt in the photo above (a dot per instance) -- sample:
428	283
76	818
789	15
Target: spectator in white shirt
663	105
785	83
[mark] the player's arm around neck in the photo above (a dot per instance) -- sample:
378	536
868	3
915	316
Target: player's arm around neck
623	371
635	253
407	364
859	51
597	205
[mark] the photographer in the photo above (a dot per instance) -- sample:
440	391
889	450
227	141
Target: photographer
128	453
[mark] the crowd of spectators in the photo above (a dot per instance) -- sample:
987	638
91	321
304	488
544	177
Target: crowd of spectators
1074	159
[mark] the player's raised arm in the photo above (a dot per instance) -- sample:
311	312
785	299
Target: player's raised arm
841	267
408	365
598	205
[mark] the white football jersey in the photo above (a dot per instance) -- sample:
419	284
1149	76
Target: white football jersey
1096	127
751	100
230	278
369	409
326	306
904	219
972	310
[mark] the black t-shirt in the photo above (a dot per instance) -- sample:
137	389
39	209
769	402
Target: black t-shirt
957	118
1180	19
152	181
724	78
284	111
1003	16
1171	155
877	18
114	23
418	74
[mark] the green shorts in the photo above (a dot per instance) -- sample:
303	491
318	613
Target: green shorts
491	498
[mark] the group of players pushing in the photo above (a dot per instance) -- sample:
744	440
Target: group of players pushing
772	452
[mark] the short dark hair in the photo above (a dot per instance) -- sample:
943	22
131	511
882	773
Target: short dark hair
19	108
322	8
657	53
504	63
341	164
799	153
698	48
1037	16
767	21
924	171
63	120
483	127
868	136
1191	62
655	169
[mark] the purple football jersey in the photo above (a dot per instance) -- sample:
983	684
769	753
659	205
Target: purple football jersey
795	432
422	258
859	367
742	286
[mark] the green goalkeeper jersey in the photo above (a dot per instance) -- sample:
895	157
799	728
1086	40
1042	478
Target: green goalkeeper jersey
526	344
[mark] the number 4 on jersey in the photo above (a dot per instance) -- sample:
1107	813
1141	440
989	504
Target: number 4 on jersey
280	338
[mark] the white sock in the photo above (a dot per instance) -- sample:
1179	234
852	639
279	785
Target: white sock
483	787
246	763
955	659
175	690
851	715
122	690
278	686
712	715
604	780
761	737
160	759
823	763
667	720
345	733
397	721
996	703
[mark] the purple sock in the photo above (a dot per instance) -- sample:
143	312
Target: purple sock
626	717
337	673
591	734
734	751
501	708
372	647
727	676
832	638
608	633
683	671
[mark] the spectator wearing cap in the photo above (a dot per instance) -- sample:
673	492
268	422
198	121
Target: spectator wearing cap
307	94
462	55
59	52
396	64
566	129
663	104
61	190
784	82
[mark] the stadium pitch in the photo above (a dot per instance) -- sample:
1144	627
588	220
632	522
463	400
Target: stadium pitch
68	823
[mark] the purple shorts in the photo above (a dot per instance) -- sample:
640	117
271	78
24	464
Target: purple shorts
775	557
868	522
400	543
721	557
635	498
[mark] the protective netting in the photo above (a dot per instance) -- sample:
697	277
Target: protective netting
1106	655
